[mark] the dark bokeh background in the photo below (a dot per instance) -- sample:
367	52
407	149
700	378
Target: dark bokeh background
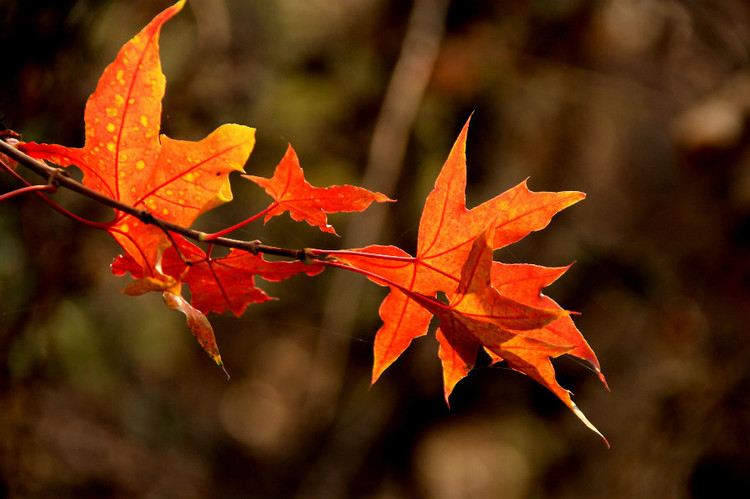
642	104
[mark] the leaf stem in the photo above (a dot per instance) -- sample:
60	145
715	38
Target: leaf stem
224	232
27	189
408	292
51	186
326	253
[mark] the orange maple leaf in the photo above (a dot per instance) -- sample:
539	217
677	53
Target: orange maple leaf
293	193
125	158
493	306
446	232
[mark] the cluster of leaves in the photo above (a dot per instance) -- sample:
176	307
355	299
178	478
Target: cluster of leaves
158	187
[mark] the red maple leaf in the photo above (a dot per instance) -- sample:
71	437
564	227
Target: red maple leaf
125	158
294	194
216	284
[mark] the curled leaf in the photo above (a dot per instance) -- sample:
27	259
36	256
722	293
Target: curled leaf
198	324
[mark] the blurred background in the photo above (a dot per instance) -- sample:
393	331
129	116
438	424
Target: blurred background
642	104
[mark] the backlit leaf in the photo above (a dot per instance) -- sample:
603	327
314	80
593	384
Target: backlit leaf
294	194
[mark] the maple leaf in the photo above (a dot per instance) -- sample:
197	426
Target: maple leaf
454	256
479	316
447	231
216	284
294	194
125	158
228	283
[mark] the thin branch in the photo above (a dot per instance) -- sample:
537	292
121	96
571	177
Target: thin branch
52	204
61	178
58	177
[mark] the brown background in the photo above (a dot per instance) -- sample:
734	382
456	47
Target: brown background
642	104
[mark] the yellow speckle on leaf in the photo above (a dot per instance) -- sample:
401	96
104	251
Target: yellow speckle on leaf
111	127
165	212
140	165
144	120
119	99
111	146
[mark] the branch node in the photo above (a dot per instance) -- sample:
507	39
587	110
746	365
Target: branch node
55	175
306	256
146	217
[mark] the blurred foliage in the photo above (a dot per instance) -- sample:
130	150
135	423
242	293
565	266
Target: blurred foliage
642	104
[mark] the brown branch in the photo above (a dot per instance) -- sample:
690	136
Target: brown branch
59	177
